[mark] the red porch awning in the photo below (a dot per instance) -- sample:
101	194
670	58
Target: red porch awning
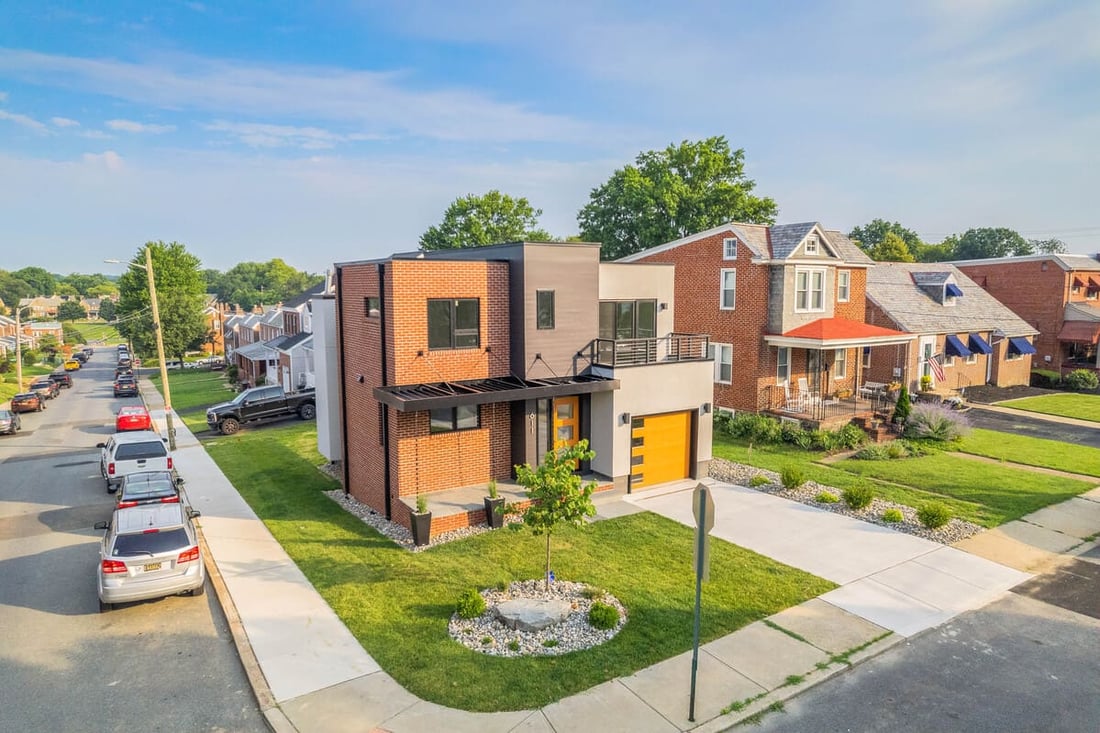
836	333
1080	331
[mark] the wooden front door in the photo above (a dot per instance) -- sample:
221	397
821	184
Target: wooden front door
566	422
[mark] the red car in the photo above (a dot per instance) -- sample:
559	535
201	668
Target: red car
133	417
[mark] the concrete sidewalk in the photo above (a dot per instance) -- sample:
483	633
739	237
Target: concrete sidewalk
310	674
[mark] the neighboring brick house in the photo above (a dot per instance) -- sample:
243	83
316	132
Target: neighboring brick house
784	306
1058	294
455	366
295	362
974	337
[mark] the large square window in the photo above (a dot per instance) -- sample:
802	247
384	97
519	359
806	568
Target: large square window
809	290
448	419
454	324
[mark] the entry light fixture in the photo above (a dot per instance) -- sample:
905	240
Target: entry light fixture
625	418
705	409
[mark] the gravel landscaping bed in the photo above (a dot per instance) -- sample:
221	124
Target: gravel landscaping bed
741	475
487	635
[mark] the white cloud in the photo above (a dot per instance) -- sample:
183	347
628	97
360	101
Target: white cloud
378	103
3	96
260	135
22	120
139	127
108	159
63	122
96	135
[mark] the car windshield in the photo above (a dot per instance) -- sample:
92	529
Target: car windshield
150	543
6	414
137	451
141	484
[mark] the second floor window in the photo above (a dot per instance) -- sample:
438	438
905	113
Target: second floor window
809	290
628	319
372	306
729	290
729	249
723	362
454	324
544	309
843	285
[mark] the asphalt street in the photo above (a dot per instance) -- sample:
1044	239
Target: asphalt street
168	664
1033	427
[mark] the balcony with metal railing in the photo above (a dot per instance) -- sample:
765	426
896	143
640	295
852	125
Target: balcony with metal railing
674	347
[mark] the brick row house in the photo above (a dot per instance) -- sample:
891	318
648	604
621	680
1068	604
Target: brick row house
456	366
785	308
274	346
1057	294
974	338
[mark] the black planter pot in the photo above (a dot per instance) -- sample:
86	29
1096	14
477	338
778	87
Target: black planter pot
493	516
421	528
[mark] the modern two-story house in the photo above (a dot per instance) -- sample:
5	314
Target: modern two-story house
785	308
1058	295
456	366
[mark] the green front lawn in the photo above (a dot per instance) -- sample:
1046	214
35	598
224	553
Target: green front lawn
1032	451
1068	404
193	391
99	331
398	603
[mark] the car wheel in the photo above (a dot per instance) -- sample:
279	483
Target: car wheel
307	412
230	426
200	590
105	607
111	489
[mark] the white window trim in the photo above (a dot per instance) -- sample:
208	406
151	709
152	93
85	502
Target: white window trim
948	360
840	364
722	289
972	359
846	276
728	244
811	247
716	352
781	378
809	289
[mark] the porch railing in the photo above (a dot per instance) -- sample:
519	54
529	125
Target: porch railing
639	352
815	406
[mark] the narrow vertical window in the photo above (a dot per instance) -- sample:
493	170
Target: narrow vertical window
783	365
843	285
729	290
544	309
840	364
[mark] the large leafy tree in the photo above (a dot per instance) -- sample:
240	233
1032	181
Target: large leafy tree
1052	246
107	309
492	218
671	193
71	310
251	283
102	290
85	283
991	242
891	248
871	235
12	288
41	282
180	291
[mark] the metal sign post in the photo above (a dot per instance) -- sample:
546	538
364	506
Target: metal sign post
702	506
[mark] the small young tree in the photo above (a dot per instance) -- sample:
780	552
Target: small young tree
903	406
557	493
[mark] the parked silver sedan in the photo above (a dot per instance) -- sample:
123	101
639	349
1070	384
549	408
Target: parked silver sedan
10	422
149	551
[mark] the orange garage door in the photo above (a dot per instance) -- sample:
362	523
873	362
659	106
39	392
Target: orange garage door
660	448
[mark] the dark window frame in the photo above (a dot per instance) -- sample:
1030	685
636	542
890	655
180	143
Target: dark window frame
457	338
618	310
372	306
452	417
541	323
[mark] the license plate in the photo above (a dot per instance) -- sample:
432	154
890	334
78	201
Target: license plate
152	566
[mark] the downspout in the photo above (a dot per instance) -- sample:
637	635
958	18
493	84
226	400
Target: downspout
384	427
343	375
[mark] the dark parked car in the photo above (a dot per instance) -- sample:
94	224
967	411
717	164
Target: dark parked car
126	386
27	402
259	403
150	487
45	387
63	379
10	422
123	371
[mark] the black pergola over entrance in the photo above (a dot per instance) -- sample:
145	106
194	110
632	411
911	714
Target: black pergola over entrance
435	395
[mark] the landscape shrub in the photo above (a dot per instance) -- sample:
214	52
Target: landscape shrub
759	480
918	448
792	477
823	440
722	420
754	428
892	516
603	616
903	406
826	497
1045	378
791	432
874	452
934	514
896	449
470	604
859	496
850	437
1081	380
930	421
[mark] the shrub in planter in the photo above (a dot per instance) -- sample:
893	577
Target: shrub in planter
792	477
603	616
470	604
892	516
926	383
935	422
859	496
1081	380
826	497
903	406
934	514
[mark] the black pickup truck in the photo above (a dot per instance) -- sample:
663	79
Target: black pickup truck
260	403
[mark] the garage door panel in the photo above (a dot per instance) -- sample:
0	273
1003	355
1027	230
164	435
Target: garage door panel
661	448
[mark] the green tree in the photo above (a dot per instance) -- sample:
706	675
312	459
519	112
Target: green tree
1052	246
493	218
558	495
84	283
71	310
49	345
871	235
252	283
102	290
891	248
989	242
180	291
41	282
13	288
942	252
107	309
671	193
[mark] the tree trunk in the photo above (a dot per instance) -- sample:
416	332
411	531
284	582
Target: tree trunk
546	577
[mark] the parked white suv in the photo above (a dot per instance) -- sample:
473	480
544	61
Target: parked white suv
126	453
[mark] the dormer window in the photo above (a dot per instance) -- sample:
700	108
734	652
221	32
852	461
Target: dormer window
951	292
811	246
729	249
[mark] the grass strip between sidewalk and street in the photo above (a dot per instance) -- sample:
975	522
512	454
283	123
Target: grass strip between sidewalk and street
1066	404
398	603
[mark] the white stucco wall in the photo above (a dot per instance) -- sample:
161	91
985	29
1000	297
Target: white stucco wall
327	380
641	281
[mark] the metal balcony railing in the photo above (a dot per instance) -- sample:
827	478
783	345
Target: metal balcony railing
674	347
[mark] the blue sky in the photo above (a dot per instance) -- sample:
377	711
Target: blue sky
321	132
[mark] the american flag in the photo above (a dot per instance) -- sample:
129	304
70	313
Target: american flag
936	367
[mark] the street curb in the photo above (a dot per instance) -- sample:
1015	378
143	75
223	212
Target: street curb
729	721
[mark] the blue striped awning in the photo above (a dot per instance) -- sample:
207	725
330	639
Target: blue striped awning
979	345
953	346
953	290
1020	345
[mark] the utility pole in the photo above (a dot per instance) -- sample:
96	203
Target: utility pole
18	348
160	348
